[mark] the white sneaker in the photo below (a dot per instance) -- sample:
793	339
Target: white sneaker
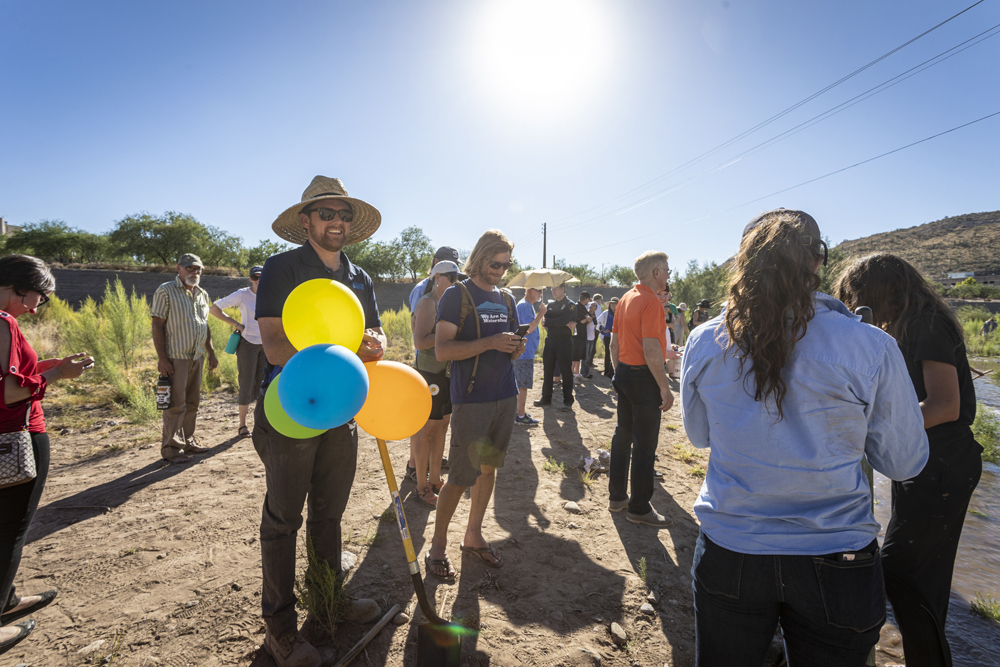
577	377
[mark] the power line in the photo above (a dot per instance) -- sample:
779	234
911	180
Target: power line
829	113
799	185
770	120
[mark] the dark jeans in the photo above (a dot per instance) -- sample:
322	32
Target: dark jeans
636	436
608	370
558	352
830	611
918	554
18	505
588	358
323	467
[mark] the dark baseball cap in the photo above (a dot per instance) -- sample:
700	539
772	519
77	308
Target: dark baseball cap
256	270
446	252
814	239
801	217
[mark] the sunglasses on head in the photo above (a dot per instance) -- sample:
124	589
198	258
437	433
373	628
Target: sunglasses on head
496	266
814	244
327	214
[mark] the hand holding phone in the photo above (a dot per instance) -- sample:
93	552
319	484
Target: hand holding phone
522	330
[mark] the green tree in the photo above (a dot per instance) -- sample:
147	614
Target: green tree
94	247
417	251
380	259
701	282
257	255
836	262
51	240
623	276
587	275
157	239
218	248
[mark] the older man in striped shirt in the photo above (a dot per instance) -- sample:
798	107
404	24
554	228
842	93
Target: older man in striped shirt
182	340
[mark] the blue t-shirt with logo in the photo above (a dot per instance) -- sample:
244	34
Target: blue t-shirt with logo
526	313
495	375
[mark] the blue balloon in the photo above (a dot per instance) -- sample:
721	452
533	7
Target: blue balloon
323	386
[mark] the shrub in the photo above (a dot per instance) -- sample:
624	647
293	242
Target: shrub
227	373
986	428
399	335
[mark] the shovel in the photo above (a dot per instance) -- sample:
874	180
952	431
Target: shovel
439	643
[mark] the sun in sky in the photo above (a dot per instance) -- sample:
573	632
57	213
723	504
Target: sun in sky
540	59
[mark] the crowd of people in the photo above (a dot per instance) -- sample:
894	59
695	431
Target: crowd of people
791	392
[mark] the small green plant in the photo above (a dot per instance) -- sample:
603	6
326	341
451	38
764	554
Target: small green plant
986	606
110	657
685	453
321	593
978	513
551	465
129	552
640	568
588	478
986	428
698	471
671	427
187	512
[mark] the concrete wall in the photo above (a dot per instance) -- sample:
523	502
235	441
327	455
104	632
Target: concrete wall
75	285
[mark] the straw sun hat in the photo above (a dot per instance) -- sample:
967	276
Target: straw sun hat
366	217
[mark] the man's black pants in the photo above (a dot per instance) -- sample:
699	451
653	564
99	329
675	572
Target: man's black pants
558	352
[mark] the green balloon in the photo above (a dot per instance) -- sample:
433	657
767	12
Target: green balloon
279	419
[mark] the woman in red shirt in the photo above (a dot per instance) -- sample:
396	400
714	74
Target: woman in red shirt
25	285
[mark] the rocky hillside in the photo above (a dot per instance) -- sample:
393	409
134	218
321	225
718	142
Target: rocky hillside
969	242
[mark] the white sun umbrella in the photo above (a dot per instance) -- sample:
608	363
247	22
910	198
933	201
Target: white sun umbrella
541	278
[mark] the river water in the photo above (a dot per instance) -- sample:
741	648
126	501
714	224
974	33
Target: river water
974	640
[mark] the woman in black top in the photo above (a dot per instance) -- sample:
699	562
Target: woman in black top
928	511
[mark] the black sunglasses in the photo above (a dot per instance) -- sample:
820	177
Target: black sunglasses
41	302
813	242
327	214
255	278
501	265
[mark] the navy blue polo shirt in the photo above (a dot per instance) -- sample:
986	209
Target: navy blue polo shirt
285	271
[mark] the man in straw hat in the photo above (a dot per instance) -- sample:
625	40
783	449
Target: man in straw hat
475	330
323	466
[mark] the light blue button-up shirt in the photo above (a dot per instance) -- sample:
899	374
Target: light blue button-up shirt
796	486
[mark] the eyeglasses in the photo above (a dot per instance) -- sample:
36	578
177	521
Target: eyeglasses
327	214
255	278
496	266
193	269
42	298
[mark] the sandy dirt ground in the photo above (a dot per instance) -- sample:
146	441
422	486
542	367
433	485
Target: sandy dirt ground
159	564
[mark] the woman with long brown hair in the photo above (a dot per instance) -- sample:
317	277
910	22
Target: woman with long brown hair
928	511
791	391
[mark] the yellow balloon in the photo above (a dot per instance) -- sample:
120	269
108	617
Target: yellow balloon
323	312
399	401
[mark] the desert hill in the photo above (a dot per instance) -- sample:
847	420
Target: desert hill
969	242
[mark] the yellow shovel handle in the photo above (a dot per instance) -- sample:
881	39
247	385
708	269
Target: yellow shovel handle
404	528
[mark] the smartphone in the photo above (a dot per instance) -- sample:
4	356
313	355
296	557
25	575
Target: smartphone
522	330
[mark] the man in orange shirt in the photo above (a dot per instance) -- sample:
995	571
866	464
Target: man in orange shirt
638	349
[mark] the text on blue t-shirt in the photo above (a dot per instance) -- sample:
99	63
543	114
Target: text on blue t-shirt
495	374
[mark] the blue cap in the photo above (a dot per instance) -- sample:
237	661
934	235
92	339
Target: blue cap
256	269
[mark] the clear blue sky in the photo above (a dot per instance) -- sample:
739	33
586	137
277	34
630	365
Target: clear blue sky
460	116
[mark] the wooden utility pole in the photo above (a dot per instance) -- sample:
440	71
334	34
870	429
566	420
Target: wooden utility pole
544	239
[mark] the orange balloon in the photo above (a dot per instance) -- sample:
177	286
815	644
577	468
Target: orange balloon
399	401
